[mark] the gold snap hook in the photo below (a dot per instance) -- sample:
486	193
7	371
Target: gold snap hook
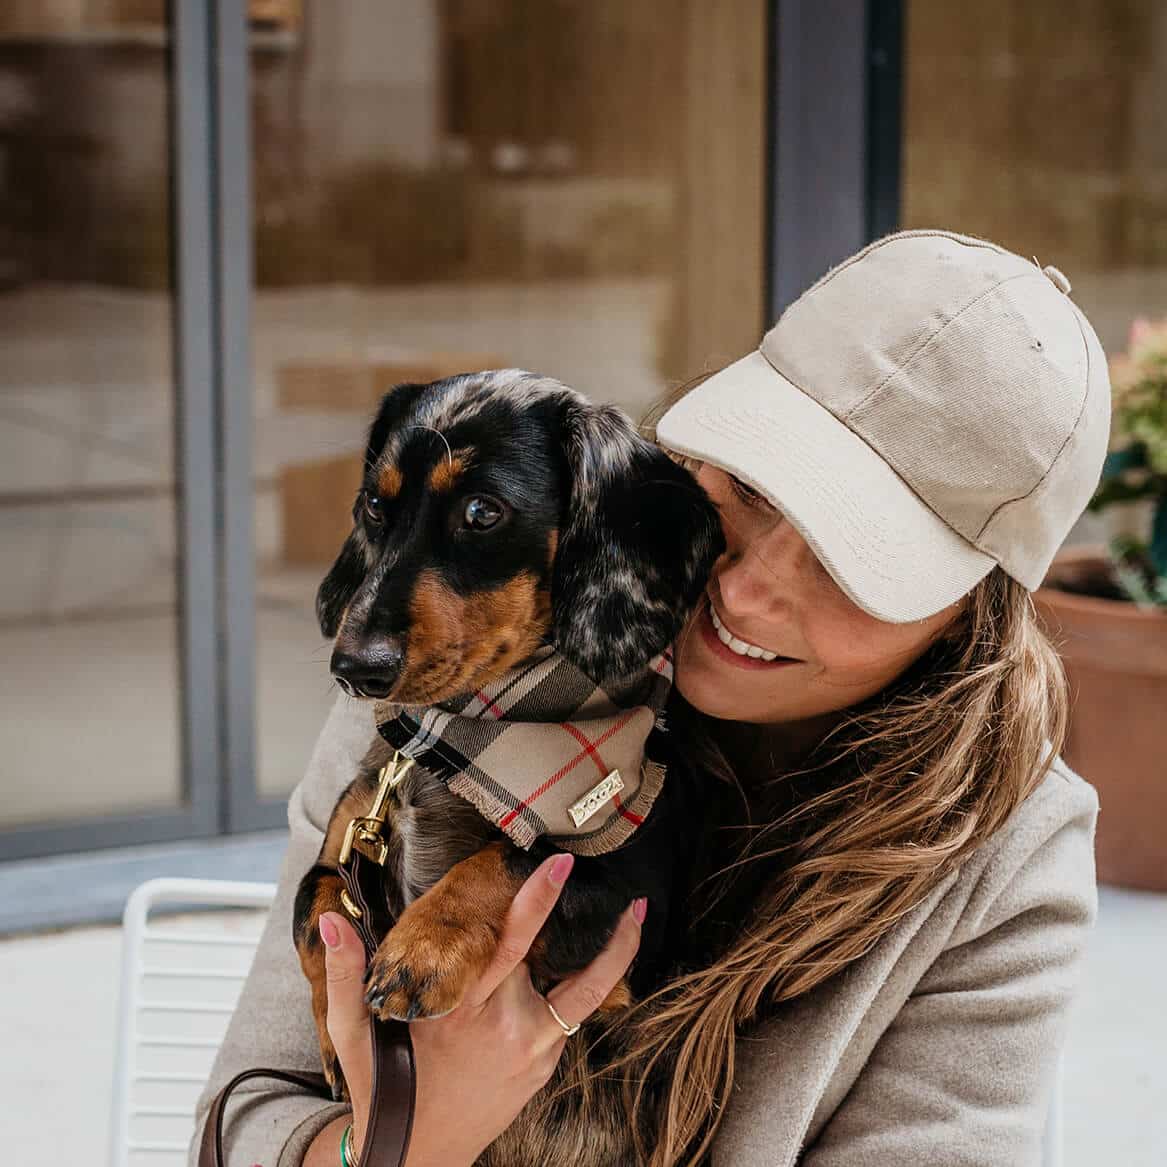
364	834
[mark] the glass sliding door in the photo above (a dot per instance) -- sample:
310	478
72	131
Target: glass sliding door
93	515
442	185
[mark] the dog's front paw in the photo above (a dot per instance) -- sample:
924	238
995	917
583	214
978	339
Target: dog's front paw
428	960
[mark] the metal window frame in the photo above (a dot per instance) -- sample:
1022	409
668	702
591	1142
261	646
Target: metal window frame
194	361
885	85
834	136
243	807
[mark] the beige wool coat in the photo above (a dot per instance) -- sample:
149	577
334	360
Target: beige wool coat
936	1048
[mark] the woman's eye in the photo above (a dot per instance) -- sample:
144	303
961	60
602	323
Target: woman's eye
481	514
747	494
373	511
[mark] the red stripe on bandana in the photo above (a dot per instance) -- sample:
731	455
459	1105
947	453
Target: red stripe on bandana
590	749
588	746
635	819
487	703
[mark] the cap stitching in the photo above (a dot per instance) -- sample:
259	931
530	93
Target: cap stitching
926	341
1065	443
728	424
875	244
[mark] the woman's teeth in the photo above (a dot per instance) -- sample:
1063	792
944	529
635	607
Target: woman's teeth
739	646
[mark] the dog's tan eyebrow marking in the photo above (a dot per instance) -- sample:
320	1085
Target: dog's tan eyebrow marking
446	473
388	482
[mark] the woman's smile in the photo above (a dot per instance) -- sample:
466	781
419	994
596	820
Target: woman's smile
734	650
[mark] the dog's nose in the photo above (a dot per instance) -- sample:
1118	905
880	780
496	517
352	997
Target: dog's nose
369	668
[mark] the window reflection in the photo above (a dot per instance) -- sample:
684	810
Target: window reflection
440	185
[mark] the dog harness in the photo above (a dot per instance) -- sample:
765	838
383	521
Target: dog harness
544	750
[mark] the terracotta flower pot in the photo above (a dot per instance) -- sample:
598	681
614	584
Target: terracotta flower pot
1116	661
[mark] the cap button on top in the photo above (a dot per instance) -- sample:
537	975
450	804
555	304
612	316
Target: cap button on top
1057	278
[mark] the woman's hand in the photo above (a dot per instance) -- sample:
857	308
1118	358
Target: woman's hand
478	1066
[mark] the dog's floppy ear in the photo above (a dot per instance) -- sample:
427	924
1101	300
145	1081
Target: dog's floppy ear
344	577
635	548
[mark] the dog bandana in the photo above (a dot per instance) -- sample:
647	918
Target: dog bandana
544	750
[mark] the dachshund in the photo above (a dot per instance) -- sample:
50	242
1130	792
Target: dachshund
500	512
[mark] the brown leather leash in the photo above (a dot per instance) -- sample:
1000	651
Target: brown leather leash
362	857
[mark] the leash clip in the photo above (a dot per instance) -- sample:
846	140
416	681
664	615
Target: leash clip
364	834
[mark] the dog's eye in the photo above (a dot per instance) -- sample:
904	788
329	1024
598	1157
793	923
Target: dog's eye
373	511
481	513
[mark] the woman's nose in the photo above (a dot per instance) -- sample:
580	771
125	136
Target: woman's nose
759	577
747	585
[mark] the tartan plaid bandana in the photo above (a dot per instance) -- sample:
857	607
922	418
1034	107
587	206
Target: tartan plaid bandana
544	750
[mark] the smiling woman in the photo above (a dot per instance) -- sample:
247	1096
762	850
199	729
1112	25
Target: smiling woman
773	598
874	930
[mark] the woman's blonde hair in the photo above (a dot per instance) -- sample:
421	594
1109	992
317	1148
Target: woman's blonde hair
884	809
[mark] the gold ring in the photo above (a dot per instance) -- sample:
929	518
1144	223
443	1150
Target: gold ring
569	1030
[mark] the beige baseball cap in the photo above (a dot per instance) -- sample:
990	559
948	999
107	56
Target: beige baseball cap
933	406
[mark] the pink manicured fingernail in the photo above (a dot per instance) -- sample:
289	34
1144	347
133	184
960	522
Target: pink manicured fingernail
561	868
639	909
329	932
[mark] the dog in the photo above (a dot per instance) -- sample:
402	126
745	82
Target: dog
501	512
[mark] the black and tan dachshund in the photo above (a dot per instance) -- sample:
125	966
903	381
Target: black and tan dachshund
499	512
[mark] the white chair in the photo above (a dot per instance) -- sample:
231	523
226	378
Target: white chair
181	978
1054	1137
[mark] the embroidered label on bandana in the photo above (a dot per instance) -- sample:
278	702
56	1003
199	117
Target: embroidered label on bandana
595	798
526	750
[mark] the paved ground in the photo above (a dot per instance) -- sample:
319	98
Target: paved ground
57	1021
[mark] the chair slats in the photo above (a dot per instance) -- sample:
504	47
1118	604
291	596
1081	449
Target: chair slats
180	985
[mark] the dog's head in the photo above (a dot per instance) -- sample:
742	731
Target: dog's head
501	510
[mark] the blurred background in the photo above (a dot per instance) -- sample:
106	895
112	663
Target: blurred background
226	229
228	226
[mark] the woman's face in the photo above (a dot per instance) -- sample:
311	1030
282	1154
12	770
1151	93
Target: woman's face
769	591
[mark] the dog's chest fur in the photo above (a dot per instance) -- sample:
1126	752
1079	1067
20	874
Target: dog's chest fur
430	828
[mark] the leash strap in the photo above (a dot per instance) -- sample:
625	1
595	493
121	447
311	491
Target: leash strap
394	1098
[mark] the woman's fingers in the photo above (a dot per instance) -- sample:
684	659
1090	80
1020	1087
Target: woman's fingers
348	1015
528	913
578	997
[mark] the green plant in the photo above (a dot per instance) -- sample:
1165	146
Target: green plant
1136	469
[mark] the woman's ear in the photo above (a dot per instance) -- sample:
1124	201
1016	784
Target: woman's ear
636	546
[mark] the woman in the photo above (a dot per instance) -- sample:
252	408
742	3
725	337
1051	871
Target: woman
879	715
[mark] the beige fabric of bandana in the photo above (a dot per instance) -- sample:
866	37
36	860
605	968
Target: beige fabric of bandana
545	751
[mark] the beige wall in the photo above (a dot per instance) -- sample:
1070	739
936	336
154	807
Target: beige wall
1043	125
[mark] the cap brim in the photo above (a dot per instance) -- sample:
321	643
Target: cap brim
888	551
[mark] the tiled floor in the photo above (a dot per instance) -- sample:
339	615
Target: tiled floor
57	1021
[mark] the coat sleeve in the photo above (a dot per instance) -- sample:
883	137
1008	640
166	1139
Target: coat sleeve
962	1074
267	1123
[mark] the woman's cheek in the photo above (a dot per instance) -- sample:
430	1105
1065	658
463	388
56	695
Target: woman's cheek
862	654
